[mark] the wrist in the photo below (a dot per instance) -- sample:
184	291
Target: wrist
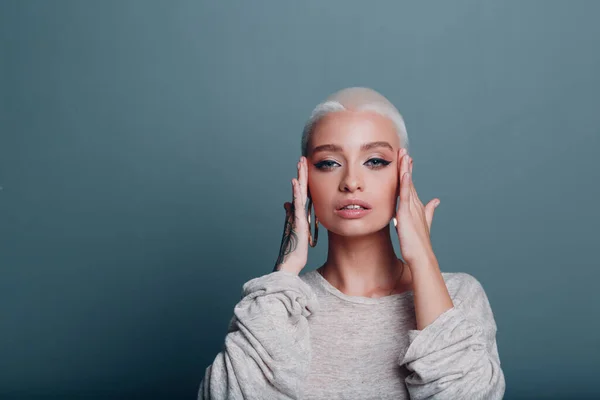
426	262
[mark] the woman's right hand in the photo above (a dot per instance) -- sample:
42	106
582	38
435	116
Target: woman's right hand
293	252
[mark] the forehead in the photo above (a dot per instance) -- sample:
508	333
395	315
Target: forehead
351	128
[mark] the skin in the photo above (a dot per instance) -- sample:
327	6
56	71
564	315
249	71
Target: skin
361	260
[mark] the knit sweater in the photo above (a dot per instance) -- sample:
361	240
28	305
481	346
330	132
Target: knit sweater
299	337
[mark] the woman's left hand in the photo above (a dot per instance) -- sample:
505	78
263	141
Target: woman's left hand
413	219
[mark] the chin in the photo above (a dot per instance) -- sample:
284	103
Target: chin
354	227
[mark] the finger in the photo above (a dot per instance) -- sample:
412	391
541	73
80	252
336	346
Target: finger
404	190
409	170
413	190
402	162
303	178
300	180
405	169
401	152
401	167
429	210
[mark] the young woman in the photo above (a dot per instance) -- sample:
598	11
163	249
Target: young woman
365	324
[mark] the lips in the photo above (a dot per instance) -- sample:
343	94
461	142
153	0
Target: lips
352	213
348	202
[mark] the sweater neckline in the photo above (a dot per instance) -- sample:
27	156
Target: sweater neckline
324	283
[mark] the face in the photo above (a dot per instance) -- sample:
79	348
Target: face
342	166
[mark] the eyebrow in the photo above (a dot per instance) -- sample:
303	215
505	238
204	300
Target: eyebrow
364	147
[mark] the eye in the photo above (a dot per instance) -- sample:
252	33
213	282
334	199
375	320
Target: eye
325	165
375	163
378	162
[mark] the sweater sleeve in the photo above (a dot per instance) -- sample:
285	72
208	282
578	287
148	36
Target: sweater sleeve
456	356
267	350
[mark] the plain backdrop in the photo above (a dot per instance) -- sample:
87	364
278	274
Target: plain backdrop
147	148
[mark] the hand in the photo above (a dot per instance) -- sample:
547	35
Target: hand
413	219
293	253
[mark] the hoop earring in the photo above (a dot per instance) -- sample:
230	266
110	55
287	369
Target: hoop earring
310	237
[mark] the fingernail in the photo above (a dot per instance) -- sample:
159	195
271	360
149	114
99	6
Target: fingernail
437	203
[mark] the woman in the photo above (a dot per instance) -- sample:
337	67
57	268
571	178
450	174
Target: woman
364	325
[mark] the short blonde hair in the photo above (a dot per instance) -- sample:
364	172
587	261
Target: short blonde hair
355	98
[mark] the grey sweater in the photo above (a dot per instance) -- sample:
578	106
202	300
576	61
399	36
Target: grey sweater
299	337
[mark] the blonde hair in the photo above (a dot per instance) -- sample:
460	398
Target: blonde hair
355	98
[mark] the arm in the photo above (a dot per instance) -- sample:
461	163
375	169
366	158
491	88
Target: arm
267	350
456	356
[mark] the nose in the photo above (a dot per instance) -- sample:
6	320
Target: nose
351	181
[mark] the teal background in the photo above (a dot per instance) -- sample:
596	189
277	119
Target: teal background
147	148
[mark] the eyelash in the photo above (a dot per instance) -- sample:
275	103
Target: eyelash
382	164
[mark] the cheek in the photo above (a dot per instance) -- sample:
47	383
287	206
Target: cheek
319	187
389	198
389	194
323	193
389	185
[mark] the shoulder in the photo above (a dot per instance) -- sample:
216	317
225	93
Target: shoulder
310	278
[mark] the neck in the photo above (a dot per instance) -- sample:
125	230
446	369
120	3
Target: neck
363	265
